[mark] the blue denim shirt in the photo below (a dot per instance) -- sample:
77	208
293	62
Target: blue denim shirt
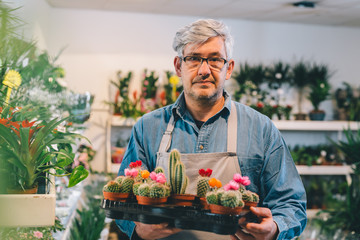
262	153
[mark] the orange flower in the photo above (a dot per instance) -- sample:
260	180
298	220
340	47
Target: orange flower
213	182
145	174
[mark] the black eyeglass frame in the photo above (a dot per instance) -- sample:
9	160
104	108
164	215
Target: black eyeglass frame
205	59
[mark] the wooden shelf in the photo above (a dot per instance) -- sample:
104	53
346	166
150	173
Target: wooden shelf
315	125
324	170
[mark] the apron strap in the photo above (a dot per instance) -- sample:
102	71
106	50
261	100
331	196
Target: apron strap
232	129
166	139
231	132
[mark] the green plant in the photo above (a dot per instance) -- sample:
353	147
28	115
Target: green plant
231	199
350	148
29	149
319	84
300	79
348	99
157	190
249	79
112	186
203	186
127	185
277	74
159	170
178	178
212	197
344	215
144	190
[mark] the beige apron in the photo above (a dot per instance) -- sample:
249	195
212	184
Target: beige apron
223	164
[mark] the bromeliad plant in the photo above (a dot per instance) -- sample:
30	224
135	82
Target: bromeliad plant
29	149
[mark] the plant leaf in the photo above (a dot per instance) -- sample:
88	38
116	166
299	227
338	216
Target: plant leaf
78	174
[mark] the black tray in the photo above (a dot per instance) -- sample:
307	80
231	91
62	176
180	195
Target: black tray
183	217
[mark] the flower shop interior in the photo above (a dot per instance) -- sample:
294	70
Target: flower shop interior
76	76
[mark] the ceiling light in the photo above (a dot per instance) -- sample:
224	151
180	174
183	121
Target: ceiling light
304	4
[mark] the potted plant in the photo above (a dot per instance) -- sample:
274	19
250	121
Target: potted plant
319	90
202	185
152	191
300	79
30	149
227	200
249	79
178	181
348	103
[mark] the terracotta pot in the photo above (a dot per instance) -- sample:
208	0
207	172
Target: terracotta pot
218	209
121	197
150	201
204	203
182	199
21	191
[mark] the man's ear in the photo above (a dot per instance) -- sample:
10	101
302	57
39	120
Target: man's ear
177	65
230	69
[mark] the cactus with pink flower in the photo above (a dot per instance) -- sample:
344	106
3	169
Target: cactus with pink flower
154	185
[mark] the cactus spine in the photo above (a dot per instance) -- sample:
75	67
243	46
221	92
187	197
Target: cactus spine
127	185
157	190
230	199
112	186
159	170
178	179
212	198
202	186
136	187
144	190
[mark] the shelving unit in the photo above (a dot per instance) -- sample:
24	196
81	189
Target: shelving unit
121	124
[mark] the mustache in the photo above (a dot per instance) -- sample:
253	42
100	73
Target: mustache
200	79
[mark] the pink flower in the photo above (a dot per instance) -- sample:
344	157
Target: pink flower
38	234
237	177
153	176
134	172
227	187
232	185
160	178
146	82
245	181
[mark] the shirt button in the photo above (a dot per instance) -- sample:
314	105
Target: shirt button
201	147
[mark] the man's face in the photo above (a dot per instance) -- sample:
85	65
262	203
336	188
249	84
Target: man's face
204	83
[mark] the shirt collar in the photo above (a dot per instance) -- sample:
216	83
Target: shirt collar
179	107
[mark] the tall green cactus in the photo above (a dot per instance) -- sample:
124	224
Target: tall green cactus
178	178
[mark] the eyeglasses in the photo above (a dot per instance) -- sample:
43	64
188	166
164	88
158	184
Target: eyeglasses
216	63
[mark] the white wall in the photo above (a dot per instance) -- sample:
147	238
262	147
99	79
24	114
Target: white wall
99	43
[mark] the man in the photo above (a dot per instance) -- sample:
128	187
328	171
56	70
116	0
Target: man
211	131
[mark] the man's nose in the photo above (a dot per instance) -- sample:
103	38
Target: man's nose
204	68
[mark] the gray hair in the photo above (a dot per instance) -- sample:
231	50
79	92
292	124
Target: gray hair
199	32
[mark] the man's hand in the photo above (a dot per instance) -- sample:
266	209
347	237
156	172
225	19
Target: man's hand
154	231
266	229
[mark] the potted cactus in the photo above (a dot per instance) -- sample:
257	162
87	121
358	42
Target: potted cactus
121	188
226	200
203	186
250	198
152	191
178	181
